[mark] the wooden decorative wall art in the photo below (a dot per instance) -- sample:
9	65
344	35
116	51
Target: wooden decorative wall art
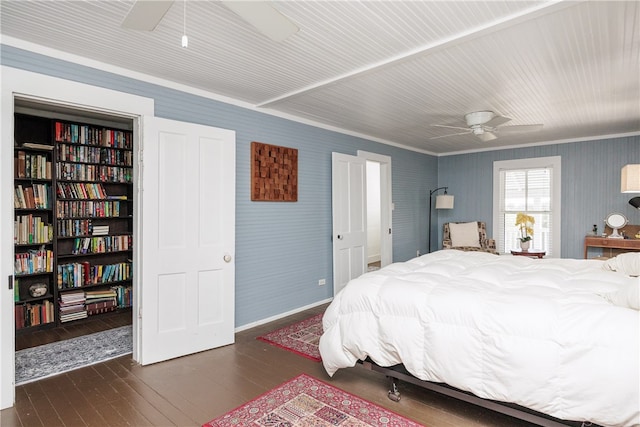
274	173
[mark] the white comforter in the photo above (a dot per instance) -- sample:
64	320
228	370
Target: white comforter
534	332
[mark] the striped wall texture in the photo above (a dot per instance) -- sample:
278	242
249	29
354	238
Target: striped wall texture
590	185
283	249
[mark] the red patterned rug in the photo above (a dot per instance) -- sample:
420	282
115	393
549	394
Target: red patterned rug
307	402
301	338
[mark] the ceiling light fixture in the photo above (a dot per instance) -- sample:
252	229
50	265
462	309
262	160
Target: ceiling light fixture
185	39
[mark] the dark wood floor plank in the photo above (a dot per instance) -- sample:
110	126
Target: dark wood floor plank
192	390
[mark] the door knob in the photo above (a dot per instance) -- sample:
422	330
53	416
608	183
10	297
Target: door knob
339	236
227	258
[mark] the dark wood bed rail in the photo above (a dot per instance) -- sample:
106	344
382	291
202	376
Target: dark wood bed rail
398	372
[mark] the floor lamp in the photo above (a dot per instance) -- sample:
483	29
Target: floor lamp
443	201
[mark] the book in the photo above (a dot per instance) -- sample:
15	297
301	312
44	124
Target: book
100	230
37	146
93	312
101	304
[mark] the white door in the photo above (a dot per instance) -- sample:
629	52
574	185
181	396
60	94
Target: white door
187	254
348	195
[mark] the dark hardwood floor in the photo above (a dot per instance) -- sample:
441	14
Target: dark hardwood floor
192	390
73	329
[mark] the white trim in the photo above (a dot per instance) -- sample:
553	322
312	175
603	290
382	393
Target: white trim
542	143
535	162
27	85
281	315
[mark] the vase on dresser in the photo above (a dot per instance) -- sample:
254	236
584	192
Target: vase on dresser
525	245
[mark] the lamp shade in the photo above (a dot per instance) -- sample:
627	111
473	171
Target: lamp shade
444	201
630	180
635	202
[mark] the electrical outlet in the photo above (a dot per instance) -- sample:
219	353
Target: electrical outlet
321	282
418	252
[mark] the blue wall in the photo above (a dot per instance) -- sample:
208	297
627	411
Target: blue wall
590	185
282	249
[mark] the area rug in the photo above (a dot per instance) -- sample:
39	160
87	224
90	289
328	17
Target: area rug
307	402
46	360
301	337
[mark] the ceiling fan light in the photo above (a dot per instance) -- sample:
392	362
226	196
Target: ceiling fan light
478	118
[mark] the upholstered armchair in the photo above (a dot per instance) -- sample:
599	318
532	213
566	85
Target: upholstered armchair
468	236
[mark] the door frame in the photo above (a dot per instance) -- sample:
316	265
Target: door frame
386	205
27	85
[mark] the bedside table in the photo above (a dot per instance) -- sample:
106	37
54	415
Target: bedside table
530	254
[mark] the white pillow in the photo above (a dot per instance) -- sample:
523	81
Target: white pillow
626	263
627	297
464	234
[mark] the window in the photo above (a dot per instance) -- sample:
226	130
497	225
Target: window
531	186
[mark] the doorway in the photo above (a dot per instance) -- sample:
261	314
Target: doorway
374	230
349	214
379	209
21	86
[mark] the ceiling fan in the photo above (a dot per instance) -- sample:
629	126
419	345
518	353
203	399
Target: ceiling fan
486	124
146	15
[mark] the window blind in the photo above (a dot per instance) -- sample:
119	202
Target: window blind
528	191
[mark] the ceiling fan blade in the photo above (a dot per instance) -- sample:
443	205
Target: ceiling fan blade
451	134
264	17
520	128
145	15
496	121
452	127
486	136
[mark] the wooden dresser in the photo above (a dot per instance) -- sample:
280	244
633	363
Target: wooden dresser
611	247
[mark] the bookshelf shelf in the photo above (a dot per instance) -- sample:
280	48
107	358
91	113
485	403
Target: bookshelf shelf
74	194
47	296
70	256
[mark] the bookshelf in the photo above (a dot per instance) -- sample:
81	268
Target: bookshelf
73	221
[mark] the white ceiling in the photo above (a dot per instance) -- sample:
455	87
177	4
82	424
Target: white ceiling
387	70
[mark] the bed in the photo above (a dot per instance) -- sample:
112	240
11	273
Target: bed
557	336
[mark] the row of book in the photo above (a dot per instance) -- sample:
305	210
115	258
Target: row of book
92	135
85	172
34	314
79	274
87	208
34	261
74	227
35	196
30	229
80	190
29	165
124	295
102	244
88	154
80	304
80	227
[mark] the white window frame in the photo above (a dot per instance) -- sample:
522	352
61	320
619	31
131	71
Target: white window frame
553	162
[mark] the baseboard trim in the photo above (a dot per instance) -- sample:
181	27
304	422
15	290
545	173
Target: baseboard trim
281	315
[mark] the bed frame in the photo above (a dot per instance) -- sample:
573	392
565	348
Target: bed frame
398	372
